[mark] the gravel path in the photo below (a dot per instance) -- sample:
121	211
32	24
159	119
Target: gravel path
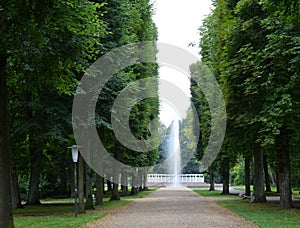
172	207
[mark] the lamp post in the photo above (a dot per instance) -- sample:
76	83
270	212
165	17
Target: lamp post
74	150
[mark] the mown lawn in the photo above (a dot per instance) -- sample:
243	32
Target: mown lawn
295	191
266	215
205	192
263	214
60	221
60	212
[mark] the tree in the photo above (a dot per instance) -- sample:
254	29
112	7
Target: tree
6	218
258	175
247	174
81	167
211	178
266	172
89	204
37	52
256	58
128	22
99	190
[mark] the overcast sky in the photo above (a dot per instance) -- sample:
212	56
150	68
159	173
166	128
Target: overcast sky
178	22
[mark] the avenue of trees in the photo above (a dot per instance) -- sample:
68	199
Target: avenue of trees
253	49
251	46
45	48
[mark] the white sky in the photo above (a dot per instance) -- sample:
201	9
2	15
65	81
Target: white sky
178	22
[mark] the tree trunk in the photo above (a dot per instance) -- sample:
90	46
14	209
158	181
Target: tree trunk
62	189
115	190
277	182
259	174
6	218
140	180
124	181
16	199
80	184
247	174
89	204
225	175
35	170
99	189
211	178
283	166
271	174
109	185
145	187
116	174
134	189
267	178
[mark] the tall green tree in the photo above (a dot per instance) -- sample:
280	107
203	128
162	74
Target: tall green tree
6	218
39	51
128	22
256	57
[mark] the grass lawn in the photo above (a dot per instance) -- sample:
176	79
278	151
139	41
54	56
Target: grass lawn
242	188
61	221
266	215
263	214
60	212
206	192
296	194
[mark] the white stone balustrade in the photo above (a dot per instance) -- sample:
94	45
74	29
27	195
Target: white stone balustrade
175	178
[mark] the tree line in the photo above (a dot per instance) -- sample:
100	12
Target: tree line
45	48
252	48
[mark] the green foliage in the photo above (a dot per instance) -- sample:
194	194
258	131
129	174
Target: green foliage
188	140
47	56
48	44
51	50
128	22
252	48
237	174
200	102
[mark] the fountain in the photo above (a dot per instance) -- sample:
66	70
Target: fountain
169	171
174	156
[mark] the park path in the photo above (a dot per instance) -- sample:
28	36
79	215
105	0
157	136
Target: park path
172	207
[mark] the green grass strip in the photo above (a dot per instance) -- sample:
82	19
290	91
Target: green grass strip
263	214
60	212
207	193
59	221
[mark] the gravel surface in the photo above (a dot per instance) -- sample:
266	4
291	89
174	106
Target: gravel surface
172	207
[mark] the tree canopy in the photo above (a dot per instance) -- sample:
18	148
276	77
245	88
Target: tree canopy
46	46
252	48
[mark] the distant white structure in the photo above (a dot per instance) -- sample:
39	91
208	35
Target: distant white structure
181	179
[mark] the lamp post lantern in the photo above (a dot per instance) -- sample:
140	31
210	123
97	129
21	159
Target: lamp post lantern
75	149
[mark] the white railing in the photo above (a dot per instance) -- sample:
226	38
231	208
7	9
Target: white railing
172	178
